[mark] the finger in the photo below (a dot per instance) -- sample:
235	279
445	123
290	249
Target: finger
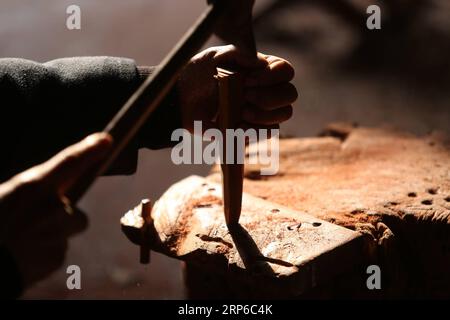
58	224
63	169
277	71
47	214
258	116
275	97
267	133
75	223
232	56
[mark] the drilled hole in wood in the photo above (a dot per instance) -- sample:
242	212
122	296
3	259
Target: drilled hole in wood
294	226
427	202
317	224
412	194
275	210
432	191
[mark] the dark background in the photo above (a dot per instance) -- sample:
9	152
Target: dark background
398	76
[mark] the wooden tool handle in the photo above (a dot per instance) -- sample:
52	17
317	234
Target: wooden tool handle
231	102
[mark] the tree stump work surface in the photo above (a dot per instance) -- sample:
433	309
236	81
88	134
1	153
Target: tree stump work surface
340	202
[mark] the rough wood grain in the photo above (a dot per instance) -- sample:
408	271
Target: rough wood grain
390	185
279	251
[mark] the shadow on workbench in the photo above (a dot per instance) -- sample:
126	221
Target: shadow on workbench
253	259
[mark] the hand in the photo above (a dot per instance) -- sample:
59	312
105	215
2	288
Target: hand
268	92
35	219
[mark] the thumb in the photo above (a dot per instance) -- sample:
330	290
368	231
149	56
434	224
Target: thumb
232	56
61	171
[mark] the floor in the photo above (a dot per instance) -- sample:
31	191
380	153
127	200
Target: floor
397	76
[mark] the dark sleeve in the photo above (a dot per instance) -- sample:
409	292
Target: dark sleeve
46	107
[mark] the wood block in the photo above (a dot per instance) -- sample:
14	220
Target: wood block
390	185
276	251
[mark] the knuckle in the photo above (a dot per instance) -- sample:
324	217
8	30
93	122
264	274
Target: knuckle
230	47
29	181
71	158
211	51
224	50
69	161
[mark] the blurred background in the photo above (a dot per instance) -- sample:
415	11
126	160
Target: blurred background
398	76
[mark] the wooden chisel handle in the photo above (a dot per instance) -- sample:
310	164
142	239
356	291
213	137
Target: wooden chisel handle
231	103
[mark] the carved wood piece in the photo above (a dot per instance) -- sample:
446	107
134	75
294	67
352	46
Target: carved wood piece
292	251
